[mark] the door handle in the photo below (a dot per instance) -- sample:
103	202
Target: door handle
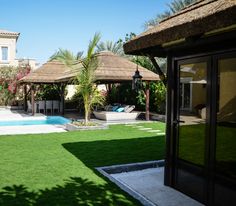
177	121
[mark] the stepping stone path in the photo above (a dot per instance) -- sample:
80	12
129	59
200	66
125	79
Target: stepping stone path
145	128
154	130
142	128
161	133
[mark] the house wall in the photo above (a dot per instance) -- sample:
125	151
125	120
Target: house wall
11	44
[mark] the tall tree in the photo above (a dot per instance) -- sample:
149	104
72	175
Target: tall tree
86	76
115	47
173	7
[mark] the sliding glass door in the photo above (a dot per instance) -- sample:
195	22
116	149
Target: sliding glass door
191	127
205	128
225	142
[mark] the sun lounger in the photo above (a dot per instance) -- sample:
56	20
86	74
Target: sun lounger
117	113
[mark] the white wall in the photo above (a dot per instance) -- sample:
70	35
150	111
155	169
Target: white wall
11	44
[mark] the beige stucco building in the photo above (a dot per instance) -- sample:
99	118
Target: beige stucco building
8	40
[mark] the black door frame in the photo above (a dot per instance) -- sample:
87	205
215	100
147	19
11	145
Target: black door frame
172	114
207	60
215	177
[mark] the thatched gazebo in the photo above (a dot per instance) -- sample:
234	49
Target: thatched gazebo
111	69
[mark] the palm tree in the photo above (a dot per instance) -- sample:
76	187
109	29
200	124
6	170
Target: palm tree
174	7
67	57
115	47
86	76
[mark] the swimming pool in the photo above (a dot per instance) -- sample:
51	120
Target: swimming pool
48	120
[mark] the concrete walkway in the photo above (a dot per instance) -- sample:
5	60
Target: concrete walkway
148	184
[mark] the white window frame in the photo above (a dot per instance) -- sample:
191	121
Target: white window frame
8	53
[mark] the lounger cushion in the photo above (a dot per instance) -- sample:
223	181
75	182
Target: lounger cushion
130	109
126	107
120	109
114	108
108	108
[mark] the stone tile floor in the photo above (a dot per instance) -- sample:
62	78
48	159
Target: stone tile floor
149	184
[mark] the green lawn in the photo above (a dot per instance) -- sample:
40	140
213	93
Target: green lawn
58	169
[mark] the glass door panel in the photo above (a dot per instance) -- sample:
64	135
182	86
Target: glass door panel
191	125
225	160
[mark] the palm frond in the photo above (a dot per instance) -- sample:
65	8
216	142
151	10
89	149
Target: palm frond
92	45
115	47
66	57
173	7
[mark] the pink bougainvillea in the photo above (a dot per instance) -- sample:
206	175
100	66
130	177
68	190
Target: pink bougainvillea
12	85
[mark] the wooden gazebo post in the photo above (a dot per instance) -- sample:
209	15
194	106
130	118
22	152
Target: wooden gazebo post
32	99
147	101
62	95
25	97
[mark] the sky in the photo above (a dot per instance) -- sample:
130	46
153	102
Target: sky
46	25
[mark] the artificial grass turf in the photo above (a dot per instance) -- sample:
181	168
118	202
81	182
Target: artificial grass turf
58	169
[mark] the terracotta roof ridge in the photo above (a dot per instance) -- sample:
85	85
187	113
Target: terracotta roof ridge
190	7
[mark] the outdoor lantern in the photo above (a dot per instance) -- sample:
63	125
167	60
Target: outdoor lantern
137	80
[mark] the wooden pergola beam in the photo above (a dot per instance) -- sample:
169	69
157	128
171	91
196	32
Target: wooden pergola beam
147	92
158	70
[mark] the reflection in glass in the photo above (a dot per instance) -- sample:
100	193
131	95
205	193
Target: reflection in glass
226	119
192	131
192	95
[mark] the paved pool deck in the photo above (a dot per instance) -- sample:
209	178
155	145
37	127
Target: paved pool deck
18	115
8	114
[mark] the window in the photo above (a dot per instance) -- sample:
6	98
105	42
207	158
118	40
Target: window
4	53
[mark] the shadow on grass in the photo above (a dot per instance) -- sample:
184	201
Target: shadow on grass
111	152
79	191
76	191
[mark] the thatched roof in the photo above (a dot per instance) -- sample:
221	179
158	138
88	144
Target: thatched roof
111	68
5	33
50	72
199	18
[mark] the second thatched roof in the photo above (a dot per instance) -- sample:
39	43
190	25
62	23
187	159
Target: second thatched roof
200	18
111	68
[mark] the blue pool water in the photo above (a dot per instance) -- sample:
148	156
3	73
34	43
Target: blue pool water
48	120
